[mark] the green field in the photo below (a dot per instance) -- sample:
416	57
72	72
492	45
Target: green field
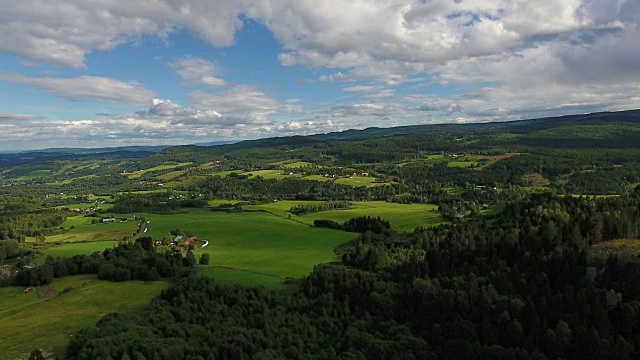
464	164
403	217
71	249
34	175
297	164
139	174
85	231
253	247
170	175
357	181
619	247
45	318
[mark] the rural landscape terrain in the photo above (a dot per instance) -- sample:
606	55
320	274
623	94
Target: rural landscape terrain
509	240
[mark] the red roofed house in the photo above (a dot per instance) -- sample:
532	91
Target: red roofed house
190	240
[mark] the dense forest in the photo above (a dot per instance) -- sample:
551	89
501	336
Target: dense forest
521	287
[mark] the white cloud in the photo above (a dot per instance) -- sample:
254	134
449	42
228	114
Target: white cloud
63	33
196	71
243	104
86	87
361	88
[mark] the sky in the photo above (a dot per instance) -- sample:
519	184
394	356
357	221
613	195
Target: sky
98	73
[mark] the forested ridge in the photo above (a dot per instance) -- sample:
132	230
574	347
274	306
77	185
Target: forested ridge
524	286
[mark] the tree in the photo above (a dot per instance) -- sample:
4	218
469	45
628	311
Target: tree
204	259
8	248
40	239
190	259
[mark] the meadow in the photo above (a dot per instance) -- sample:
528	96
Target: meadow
83	230
403	217
253	247
139	174
71	249
46	317
619	247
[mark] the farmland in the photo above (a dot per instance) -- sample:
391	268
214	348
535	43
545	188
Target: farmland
71	249
403	217
81	229
138	174
258	247
46	317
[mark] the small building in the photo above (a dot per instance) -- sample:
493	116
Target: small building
190	240
179	249
108	220
365	174
486	206
178	238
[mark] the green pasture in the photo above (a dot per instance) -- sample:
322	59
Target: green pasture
46	318
216	202
85	231
297	164
253	247
357	181
170	175
403	217
71	249
463	164
34	175
618	247
139	174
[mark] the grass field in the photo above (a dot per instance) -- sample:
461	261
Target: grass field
170	175
297	164
620	247
357	181
462	163
138	174
403	217
34	175
45	318
85	231
71	249
253	247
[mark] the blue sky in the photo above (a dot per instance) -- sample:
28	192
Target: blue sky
89	74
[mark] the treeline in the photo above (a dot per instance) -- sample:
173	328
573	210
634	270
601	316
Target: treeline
522	287
154	203
361	224
34	223
261	189
128	261
303	209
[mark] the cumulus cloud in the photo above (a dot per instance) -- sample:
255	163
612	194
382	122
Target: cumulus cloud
86	87
62	33
196	71
244	104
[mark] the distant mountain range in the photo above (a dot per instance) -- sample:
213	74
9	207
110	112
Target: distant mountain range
14	157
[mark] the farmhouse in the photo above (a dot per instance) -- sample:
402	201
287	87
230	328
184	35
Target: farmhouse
190	240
